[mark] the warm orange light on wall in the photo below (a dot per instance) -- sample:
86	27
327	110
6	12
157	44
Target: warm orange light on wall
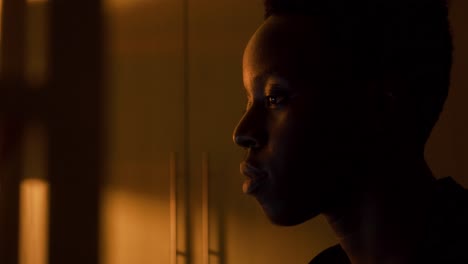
134	228
124	4
34	196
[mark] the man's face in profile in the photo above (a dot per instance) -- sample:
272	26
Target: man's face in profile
300	127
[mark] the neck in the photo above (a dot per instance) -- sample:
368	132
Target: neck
382	221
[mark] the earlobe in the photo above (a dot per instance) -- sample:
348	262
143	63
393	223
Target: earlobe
390	101
390	95
386	104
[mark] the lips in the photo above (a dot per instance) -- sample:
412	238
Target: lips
256	178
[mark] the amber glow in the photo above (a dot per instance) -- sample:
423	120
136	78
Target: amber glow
123	4
34	195
1	25
37	36
134	228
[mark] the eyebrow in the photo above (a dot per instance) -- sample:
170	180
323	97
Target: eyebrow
261	79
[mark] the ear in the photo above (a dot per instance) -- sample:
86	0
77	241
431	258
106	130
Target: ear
386	105
394	94
389	99
384	96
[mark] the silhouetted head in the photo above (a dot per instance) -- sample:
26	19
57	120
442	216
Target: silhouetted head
332	86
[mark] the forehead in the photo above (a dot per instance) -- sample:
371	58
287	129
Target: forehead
293	47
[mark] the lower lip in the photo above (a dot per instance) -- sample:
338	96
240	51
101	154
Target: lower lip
252	186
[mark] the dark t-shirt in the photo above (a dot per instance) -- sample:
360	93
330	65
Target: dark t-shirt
446	236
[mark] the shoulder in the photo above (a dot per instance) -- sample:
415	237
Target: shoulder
332	255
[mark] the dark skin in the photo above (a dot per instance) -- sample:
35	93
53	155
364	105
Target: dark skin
320	142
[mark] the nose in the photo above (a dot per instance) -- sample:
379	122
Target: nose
248	133
246	141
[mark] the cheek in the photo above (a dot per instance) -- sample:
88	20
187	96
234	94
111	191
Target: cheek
296	134
306	149
296	147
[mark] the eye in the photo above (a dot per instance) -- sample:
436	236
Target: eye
275	100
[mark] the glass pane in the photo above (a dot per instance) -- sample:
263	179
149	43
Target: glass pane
34	198
144	68
37	36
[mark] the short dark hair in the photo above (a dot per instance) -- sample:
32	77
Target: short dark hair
409	37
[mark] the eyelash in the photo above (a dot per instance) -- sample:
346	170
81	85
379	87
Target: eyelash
278	100
274	100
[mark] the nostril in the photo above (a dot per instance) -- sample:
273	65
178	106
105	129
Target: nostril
246	141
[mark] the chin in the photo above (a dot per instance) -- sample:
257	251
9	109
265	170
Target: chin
284	215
